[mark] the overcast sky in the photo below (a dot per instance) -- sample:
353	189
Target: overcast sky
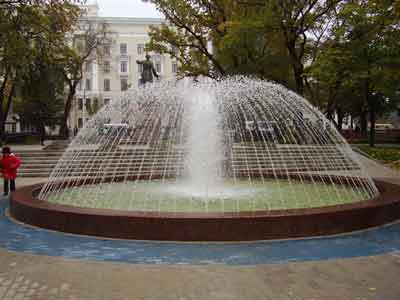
127	8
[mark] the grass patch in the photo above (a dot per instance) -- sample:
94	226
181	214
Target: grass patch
386	153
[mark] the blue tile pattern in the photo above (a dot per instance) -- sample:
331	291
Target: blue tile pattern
17	237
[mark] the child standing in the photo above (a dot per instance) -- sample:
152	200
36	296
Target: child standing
9	164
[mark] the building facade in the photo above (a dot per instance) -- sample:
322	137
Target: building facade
105	79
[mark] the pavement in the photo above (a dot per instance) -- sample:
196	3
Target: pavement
24	275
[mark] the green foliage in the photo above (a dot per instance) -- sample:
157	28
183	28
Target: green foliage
385	154
303	25
30	29
251	46
31	140
267	39
216	38
33	29
41	100
194	24
358	67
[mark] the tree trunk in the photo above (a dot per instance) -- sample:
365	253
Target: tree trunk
2	127
340	117
298	70
351	122
330	108
64	132
363	123
372	120
4	113
42	134
2	120
372	113
297	65
8	103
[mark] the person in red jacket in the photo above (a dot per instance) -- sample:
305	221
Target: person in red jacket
9	164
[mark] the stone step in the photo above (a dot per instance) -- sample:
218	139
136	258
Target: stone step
92	162
277	152
117	174
287	157
41	169
58	145
37	167
39	159
36	174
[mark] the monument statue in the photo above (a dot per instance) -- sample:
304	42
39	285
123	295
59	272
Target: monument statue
148	70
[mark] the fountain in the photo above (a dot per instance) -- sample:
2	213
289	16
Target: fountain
236	159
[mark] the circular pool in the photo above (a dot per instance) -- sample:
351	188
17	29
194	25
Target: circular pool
225	197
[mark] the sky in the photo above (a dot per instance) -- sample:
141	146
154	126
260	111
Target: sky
127	8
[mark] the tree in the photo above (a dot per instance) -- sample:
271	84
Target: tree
21	24
41	100
188	39
269	39
87	45
251	45
220	37
299	21
363	58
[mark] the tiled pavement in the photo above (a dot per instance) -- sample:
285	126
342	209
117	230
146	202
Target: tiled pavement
25	276
40	277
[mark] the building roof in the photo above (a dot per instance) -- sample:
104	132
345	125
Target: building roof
127	20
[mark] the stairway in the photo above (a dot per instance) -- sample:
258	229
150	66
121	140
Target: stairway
243	160
291	158
37	163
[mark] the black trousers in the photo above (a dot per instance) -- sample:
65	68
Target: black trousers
9	184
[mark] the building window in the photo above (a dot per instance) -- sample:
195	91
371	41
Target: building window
88	104
174	67
124	84
158	67
174	49
106	67
107	87
95	103
140	49
88	85
89	67
107	49
124	66
123	48
106	101
80	103
80	123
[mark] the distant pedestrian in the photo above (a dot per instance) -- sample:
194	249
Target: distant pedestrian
9	164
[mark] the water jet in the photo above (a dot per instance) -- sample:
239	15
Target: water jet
229	160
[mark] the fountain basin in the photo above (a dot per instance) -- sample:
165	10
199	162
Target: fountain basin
224	197
212	226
